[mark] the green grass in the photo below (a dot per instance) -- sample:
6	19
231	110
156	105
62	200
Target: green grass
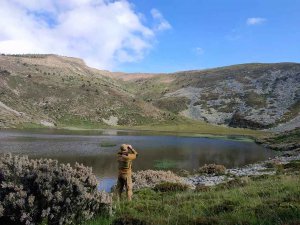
197	127
28	125
292	136
165	164
100	221
77	122
180	126
271	200
172	104
107	144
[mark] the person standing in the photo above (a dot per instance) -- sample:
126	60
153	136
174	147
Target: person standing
125	157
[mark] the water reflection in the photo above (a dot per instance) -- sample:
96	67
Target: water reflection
188	152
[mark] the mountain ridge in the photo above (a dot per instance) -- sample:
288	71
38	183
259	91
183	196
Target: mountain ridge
61	91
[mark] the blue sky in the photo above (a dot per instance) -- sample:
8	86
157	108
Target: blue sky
154	35
219	29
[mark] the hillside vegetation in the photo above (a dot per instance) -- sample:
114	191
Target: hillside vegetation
58	91
50	90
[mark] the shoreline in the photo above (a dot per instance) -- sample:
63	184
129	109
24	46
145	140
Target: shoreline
255	169
272	166
146	132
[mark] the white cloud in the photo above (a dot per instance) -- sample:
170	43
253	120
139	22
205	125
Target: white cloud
161	24
255	21
199	51
104	33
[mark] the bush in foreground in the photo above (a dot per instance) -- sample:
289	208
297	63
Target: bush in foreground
36	191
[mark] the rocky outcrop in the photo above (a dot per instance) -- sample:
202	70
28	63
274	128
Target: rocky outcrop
238	120
255	96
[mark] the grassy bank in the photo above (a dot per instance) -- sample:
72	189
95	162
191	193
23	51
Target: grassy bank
189	128
201	128
263	200
288	140
194	128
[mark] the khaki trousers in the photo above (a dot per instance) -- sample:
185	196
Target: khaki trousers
124	180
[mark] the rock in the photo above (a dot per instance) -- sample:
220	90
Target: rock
47	123
238	120
112	121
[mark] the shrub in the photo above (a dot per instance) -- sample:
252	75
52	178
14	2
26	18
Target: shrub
205	221
168	187
35	191
237	182
212	169
183	173
260	177
279	168
149	178
225	206
293	165
202	188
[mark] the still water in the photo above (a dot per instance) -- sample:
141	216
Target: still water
156	150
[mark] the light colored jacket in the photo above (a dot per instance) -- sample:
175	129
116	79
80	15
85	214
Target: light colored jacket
125	161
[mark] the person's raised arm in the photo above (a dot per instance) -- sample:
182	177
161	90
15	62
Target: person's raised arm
133	150
132	155
129	156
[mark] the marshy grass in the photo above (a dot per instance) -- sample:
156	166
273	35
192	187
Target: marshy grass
107	144
198	127
165	164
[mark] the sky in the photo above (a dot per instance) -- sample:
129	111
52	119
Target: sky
154	35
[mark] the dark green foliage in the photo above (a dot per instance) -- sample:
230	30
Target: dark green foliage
127	220
225	206
183	173
205	221
237	182
293	165
202	188
172	104
260	177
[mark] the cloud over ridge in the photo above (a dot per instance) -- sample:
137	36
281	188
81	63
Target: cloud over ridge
104	33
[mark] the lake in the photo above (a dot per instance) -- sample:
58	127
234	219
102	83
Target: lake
157	150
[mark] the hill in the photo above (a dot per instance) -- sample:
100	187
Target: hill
250	95
52	90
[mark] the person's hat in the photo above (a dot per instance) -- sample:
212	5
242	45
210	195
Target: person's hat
124	147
